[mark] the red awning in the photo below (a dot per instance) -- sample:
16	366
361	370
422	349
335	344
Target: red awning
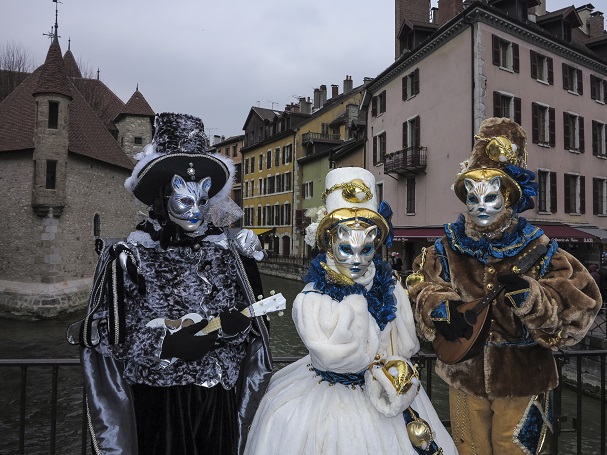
405	234
566	234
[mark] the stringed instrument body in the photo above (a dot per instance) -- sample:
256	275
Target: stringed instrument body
476	314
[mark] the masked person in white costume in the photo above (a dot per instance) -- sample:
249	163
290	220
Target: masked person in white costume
357	392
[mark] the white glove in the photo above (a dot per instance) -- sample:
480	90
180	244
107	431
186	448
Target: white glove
380	387
247	243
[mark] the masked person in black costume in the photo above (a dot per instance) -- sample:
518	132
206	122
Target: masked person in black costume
155	382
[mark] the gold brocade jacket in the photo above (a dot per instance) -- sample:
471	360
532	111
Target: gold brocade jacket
557	309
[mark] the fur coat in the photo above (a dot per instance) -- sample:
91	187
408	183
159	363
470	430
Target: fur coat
556	310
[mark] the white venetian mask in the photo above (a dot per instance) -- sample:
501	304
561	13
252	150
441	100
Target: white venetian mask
353	250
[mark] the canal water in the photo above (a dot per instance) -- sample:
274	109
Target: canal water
46	339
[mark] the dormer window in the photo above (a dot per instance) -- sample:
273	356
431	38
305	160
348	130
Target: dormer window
51	174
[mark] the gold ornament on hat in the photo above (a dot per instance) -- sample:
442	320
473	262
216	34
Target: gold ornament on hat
354	191
502	150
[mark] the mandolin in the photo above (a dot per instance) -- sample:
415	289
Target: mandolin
476	314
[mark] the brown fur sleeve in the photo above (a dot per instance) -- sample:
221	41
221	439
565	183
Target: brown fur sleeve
562	304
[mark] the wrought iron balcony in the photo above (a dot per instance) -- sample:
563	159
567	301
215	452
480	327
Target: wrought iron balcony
406	161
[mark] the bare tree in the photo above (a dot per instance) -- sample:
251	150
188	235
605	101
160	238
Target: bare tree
15	65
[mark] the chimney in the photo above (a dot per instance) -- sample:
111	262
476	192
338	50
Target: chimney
316	98
334	90
348	84
448	9
216	139
411	10
305	106
596	24
323	95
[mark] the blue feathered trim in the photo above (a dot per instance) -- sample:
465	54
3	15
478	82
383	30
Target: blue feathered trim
386	212
341	378
380	298
509	245
525	178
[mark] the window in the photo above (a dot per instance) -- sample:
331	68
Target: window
246	166
411	195
378	104
598	87
505	54
278	179
234	150
228	151
572	79
96	225
260	189
542	68
269	159
246	189
287	181
411	134
287	154
542	124
276	211
268	215
307	190
138	140
546	198
252	164
287	213
53	115
277	157
237	172
51	174
411	85
574	194
379	148
261	162
599	139
324	129
573	127
270	189
599	196
507	105
259	217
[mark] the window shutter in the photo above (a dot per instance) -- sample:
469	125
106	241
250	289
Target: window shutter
582	194
374	149
496	49
595	196
382	151
517	110
533	55
580	82
497	104
595	140
551	126
581	133
405	143
515	59
567	196
535	135
553	200
404	80
382	101
416	81
417	133
311	189
566	130
592	87
374	106
550	71
565	76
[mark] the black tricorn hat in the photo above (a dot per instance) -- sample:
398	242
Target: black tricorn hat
179	147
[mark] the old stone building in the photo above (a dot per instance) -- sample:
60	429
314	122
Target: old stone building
66	147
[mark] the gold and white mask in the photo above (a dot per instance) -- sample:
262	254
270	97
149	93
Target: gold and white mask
484	200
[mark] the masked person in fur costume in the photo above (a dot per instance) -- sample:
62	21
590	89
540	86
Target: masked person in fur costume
155	381
535	298
356	393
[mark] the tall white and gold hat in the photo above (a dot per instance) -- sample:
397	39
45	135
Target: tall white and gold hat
351	199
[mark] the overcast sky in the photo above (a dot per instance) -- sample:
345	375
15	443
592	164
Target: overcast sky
214	59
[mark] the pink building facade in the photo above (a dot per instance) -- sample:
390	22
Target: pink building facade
548	72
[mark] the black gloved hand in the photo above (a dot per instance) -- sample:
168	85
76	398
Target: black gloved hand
456	327
233	322
185	345
512	282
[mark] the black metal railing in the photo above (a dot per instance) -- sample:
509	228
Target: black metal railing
572	359
405	159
